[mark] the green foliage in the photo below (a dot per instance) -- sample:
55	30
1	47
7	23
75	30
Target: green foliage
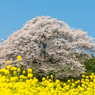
90	65
51	73
37	76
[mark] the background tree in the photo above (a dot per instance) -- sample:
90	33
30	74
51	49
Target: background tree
89	65
46	45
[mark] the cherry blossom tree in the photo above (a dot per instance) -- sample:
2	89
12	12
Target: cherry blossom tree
47	44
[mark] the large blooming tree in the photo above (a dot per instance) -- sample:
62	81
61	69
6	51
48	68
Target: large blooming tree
52	42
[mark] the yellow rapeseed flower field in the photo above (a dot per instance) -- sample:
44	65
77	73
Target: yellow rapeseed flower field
11	84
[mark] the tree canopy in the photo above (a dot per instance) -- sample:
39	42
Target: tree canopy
53	42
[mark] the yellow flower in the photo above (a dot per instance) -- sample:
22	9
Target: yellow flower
91	77
86	76
64	84
92	74
51	76
68	81
94	80
8	67
8	61
43	78
50	80
18	58
30	75
57	81
22	76
3	70
72	80
29	70
87	80
13	79
20	80
13	68
14	73
25	77
16	78
19	69
47	77
83	76
7	72
23	72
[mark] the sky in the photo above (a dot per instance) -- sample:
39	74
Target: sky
78	14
